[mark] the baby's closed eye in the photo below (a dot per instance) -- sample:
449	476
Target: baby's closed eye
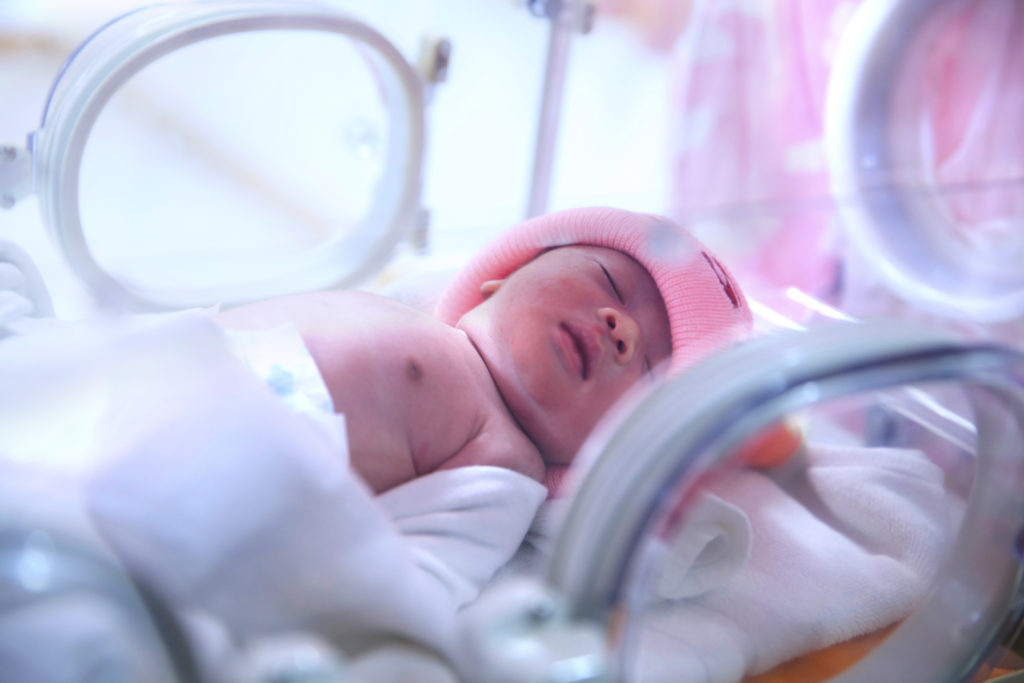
611	283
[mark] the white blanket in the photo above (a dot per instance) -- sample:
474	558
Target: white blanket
227	502
846	546
710	546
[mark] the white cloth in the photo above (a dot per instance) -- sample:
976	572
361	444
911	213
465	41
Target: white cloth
229	503
707	551
474	522
22	291
762	571
847	549
710	546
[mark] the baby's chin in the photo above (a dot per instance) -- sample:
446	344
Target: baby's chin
554	479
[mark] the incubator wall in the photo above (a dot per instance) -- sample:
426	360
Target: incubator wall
840	496
853	161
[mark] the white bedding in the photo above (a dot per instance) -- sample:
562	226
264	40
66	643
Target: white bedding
151	439
772	568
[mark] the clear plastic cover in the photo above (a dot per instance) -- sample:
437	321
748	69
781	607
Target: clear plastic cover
858	501
840	496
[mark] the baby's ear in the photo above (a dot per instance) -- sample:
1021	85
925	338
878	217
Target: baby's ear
490	287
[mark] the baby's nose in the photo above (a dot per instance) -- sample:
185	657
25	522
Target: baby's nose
623	331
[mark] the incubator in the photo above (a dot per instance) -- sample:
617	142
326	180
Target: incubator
839	498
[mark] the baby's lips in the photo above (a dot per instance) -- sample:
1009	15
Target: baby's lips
772	446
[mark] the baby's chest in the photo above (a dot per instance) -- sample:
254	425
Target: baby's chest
426	398
444	406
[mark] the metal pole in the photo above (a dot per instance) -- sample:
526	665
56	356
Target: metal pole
566	17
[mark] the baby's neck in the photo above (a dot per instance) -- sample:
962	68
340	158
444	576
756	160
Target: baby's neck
497	386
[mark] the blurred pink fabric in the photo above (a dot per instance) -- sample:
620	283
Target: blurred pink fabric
974	97
749	82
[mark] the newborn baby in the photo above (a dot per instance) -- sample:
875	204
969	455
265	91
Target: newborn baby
250	517
532	342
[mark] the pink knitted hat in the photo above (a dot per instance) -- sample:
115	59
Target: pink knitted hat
706	309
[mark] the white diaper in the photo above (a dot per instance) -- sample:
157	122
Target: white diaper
281	360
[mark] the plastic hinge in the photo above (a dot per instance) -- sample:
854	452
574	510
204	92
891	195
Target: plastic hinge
15	175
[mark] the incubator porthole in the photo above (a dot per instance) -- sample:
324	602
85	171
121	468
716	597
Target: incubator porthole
250	158
854	528
284	184
926	167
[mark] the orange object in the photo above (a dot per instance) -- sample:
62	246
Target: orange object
771	447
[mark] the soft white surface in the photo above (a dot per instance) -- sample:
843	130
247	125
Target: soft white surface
464	524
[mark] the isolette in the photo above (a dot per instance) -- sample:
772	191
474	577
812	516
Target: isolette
898	518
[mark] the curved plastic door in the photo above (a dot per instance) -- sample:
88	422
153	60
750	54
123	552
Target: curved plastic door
890	538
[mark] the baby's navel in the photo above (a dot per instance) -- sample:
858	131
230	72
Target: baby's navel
413	370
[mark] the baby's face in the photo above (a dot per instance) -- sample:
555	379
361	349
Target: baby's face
565	336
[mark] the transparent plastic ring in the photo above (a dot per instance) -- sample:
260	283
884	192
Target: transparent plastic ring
892	213
101	65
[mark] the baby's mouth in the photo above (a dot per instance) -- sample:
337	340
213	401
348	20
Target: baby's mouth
580	350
